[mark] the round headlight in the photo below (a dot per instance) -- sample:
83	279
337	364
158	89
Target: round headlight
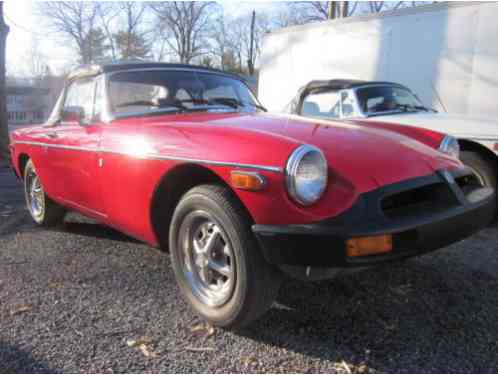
449	145
306	174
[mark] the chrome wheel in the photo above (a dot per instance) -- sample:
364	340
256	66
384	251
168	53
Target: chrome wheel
208	260
35	195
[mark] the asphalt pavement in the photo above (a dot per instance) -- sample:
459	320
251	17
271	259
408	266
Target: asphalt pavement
85	298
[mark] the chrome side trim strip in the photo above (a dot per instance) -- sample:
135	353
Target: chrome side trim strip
64	147
159	157
218	163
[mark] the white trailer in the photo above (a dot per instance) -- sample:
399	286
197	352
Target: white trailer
447	53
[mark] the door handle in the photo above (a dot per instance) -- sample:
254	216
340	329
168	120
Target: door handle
52	135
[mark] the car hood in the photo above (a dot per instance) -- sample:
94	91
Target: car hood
367	157
457	125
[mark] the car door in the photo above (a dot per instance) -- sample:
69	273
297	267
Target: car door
76	154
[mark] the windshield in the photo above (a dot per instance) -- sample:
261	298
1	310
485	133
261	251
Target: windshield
325	104
379	99
151	91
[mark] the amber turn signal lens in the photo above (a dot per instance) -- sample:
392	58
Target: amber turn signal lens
362	246
247	180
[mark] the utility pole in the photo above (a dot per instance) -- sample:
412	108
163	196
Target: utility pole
250	61
4	126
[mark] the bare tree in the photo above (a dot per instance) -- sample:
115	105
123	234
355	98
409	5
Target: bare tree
131	42
380	6
186	25
107	13
77	22
220	40
312	11
4	126
284	16
231	41
38	62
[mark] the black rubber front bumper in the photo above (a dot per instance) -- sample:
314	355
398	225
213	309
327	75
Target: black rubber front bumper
422	214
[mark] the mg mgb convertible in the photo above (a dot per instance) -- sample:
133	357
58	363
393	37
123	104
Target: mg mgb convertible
186	159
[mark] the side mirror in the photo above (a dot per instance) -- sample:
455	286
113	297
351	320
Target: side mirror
74	114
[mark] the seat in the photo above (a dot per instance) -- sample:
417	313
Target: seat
311	109
347	110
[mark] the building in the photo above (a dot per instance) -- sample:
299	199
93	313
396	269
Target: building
27	104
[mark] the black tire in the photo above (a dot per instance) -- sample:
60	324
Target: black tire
49	213
256	282
482	167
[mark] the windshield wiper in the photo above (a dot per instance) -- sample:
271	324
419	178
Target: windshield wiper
423	108
229	102
234	103
407	108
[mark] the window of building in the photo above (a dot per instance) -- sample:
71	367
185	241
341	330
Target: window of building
20	116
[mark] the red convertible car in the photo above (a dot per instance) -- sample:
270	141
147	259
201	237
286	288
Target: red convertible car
186	158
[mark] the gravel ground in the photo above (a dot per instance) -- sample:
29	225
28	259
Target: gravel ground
84	298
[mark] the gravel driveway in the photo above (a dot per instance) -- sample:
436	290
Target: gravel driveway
84	298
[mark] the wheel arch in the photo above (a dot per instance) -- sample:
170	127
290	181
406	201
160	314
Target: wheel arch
22	161
170	189
469	145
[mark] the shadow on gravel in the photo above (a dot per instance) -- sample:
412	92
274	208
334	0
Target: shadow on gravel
94	230
404	316
13	360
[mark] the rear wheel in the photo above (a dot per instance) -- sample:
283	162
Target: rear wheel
482	168
43	210
216	259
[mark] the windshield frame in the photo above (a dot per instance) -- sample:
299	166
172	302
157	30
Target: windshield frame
109	115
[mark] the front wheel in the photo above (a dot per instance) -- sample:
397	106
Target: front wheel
217	262
43	210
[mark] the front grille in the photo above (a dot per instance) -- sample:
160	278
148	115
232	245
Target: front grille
429	198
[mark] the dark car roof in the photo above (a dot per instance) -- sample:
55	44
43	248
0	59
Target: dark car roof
342	84
92	70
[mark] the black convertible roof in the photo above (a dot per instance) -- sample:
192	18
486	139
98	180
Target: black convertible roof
343	84
92	70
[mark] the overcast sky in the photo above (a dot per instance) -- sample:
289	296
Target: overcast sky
25	32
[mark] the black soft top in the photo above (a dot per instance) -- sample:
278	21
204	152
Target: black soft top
92	70
343	84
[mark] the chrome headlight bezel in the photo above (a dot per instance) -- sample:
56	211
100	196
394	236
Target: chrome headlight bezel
450	146
291	178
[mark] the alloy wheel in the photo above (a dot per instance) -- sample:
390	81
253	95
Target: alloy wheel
35	195
208	260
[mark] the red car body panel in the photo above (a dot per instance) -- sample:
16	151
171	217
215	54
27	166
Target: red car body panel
116	176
